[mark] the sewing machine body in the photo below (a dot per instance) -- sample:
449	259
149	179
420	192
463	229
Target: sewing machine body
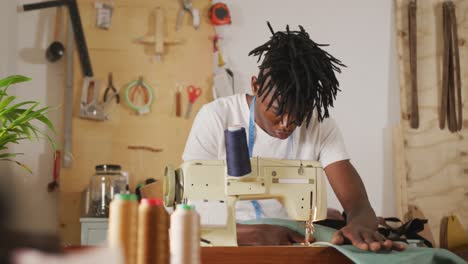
298	185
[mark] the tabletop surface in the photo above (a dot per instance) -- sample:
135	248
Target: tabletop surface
272	255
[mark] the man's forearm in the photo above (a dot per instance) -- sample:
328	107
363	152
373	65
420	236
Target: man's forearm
351	193
362	213
361	226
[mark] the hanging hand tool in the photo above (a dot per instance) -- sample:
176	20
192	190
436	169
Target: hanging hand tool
178	104
80	41
137	88
103	14
56	49
54	184
77	29
159	33
158	39
219	14
110	91
187	7
231	75
216	49
90	108
193	94
68	104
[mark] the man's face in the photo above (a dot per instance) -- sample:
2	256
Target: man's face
276	126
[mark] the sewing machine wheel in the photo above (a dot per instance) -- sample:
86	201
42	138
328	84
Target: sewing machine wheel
179	186
169	186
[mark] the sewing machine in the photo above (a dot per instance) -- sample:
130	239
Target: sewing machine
298	185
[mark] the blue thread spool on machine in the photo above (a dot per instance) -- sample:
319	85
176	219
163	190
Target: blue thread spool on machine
237	152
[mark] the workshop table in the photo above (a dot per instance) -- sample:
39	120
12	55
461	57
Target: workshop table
272	255
264	255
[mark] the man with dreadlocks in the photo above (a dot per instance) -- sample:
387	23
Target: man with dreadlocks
287	117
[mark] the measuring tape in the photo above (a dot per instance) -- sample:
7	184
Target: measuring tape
219	14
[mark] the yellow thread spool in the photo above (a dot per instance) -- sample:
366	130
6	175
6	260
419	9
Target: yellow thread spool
153	233
123	225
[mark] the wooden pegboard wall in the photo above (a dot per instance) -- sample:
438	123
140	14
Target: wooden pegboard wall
431	165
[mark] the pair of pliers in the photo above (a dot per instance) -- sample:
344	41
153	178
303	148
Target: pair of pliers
111	88
139	88
187	7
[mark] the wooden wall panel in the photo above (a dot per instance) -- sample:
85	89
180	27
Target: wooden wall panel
432	175
115	50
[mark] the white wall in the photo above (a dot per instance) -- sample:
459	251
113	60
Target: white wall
25	36
360	33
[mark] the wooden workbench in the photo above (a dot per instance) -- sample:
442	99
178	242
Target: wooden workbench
263	255
210	255
272	255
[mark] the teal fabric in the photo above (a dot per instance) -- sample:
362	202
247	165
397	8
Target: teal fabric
324	234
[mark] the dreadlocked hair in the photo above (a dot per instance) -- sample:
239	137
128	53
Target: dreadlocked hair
298	73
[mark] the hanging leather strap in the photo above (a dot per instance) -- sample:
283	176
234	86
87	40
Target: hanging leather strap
451	98
452	113
414	118
456	66
445	62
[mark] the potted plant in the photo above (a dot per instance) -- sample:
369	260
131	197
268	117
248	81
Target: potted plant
17	120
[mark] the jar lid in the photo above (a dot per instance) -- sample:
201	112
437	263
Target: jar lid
106	167
126	197
151	201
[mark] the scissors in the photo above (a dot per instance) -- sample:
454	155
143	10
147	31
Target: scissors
193	94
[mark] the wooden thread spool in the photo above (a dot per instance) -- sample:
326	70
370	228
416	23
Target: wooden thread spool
153	233
123	225
185	235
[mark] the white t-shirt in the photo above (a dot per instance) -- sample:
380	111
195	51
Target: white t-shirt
320	141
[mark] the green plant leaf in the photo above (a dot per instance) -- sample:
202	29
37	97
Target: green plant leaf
27	115
9	155
25	131
16	120
13	79
24	118
6	102
47	122
14	107
52	142
29	110
34	129
6	138
20	164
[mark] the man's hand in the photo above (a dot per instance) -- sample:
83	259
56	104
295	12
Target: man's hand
361	228
267	235
365	238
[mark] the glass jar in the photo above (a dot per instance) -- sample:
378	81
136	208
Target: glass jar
107	181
